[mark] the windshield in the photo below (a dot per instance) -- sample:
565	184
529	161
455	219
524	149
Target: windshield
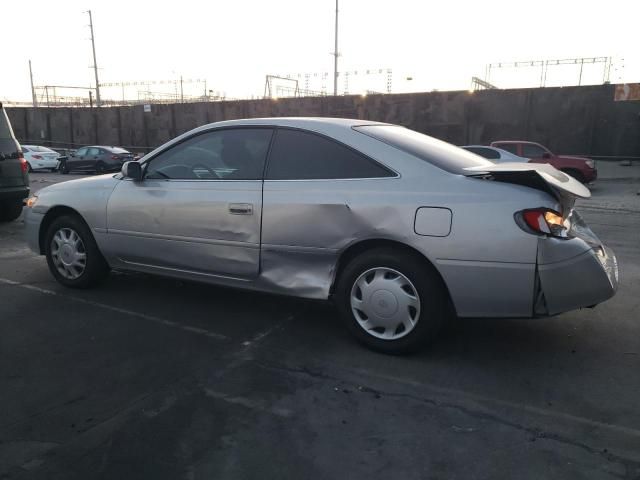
441	154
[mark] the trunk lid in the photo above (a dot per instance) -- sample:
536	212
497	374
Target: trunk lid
540	176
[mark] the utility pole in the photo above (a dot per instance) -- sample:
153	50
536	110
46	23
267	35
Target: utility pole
181	91
335	56
95	62
33	90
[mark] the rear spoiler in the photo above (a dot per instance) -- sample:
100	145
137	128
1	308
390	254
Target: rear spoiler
540	176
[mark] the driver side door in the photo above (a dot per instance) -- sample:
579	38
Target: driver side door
198	208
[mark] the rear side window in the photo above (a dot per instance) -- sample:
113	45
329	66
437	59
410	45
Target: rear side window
509	147
299	155
431	150
488	153
93	151
532	151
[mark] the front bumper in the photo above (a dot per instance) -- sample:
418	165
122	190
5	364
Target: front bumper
591	175
32	222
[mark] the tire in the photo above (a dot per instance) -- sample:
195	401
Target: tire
10	210
402	278
64	169
100	168
89	273
575	174
29	168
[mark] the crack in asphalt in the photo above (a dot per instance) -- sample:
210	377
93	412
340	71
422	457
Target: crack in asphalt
632	467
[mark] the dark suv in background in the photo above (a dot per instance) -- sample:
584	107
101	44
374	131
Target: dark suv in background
14	176
99	159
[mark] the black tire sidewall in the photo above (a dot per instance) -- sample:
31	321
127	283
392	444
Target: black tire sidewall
10	210
427	282
96	267
63	168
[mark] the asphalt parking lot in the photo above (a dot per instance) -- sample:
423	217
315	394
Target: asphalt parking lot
147	377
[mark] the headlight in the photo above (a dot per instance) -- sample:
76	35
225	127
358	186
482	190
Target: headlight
591	163
31	201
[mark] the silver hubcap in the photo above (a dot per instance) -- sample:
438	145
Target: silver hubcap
68	253
385	303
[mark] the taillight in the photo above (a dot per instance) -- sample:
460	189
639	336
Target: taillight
114	157
23	165
37	157
542	221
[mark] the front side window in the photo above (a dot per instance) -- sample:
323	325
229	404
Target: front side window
81	152
233	154
530	150
93	152
300	155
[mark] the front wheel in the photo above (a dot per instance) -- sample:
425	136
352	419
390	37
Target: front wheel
72	253
64	168
391	301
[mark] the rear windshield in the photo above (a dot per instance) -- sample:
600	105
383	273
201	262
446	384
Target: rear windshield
5	126
441	154
35	148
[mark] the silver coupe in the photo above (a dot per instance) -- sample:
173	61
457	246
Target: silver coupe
399	229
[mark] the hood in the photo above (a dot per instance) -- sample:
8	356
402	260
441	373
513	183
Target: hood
540	176
98	182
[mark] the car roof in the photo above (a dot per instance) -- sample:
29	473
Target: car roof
514	141
301	122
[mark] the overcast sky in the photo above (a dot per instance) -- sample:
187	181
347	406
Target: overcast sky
234	44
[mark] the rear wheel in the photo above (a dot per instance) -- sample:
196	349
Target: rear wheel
72	253
391	301
100	168
10	210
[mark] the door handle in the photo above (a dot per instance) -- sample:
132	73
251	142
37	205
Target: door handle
240	209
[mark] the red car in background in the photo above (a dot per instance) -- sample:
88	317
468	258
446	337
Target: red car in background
580	168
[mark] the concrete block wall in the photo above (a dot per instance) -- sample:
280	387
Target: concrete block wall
579	120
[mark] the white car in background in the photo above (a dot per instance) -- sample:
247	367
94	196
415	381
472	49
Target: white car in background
40	158
497	155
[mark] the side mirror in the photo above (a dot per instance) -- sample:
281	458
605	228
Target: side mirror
132	170
546	155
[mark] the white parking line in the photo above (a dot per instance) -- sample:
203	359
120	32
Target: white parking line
124	311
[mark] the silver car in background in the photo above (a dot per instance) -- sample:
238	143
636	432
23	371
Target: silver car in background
401	230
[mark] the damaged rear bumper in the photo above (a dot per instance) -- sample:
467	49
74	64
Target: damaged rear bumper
583	280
